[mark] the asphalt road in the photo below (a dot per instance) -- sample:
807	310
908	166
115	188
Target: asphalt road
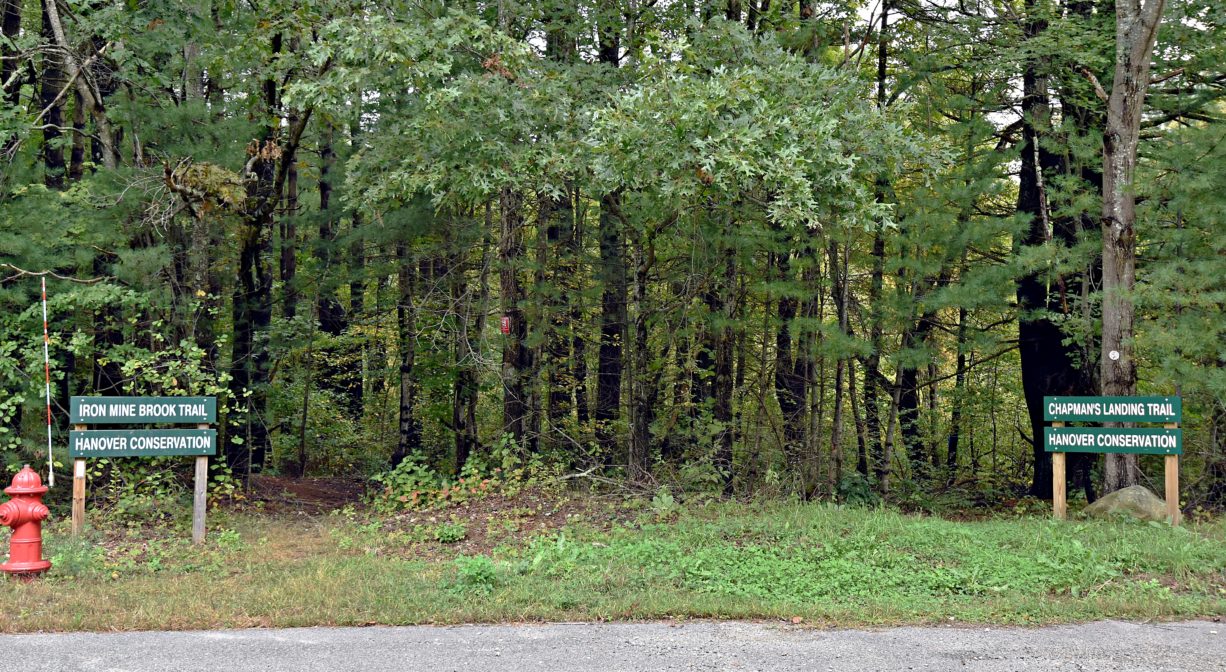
1106	646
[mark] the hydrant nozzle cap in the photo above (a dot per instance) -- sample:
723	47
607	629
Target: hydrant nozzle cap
26	482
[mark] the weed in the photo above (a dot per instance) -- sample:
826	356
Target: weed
78	557
474	574
450	533
230	540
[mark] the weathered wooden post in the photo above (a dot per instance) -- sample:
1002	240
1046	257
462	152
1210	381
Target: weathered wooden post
1059	483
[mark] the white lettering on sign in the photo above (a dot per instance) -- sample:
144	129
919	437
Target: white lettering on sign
170	442
86	444
1087	440
1094	408
121	410
1130	408
1074	408
1063	440
1136	441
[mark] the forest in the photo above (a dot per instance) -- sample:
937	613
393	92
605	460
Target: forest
824	250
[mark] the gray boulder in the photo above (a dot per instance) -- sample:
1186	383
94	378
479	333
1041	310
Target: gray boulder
1134	501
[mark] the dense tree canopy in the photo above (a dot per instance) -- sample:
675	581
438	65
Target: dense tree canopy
833	250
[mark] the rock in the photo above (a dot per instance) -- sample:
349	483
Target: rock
1135	501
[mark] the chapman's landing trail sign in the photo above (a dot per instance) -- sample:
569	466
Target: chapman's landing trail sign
1112	409
147	442
1166	440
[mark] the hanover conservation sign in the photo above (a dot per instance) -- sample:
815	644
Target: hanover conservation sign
1142	441
141	442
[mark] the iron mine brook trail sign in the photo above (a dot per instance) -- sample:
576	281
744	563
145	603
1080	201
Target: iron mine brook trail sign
1166	440
85	443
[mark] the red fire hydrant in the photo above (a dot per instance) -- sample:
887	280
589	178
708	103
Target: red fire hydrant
25	513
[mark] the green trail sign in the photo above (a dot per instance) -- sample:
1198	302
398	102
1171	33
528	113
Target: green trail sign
1139	440
142	410
1113	409
1060	438
146	442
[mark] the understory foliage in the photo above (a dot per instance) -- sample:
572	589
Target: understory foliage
726	248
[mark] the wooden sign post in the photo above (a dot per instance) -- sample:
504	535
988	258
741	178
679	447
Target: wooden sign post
85	443
1166	440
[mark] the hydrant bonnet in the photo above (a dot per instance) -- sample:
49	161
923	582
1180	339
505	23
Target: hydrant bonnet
26	482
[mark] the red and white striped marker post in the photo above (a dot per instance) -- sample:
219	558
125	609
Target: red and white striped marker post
47	381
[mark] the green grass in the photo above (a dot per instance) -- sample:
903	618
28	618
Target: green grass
826	565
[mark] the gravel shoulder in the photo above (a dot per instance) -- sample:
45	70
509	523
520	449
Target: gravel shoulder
1196	646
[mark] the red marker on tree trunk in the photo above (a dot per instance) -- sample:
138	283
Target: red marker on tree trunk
506	324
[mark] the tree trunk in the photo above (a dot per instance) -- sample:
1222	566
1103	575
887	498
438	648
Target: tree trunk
790	373
50	82
612	324
1049	367
289	243
515	354
467	346
409	436
76	161
578	344
839	286
10	29
332	318
265	175
723	381
959	395
103	130
252	311
861	431
642	382
1136	29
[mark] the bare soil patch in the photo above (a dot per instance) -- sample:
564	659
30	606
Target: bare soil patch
283	494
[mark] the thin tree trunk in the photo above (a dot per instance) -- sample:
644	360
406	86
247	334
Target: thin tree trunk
872	363
789	378
10	29
409	438
723	381
641	380
858	419
515	355
959	396
289	242
50	82
839	287
467	348
612	324
578	344
76	161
